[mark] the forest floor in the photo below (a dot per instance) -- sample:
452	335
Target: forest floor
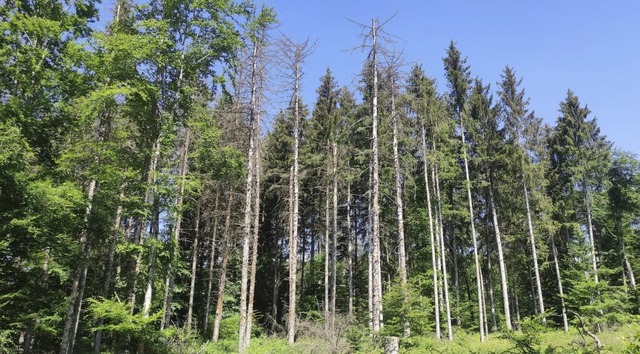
621	339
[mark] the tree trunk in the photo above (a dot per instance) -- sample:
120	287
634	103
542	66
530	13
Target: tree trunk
473	232
492	303
249	192
109	268
432	236
212	256
194	264
443	253
226	249
534	250
501	265
592	243
78	283
175	254
350	242
402	258
148	229
294	217
254	248
334	231
560	289
375	192
327	250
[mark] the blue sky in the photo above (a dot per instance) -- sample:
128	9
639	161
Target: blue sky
591	47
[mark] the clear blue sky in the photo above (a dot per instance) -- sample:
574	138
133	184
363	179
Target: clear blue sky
591	47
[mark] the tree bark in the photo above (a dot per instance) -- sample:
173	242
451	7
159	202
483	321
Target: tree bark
177	228
194	264
254	248
534	249
293	217
212	258
473	232
254	136
501	265
109	268
226	249
565	322
377	264
79	280
334	232
432	236
402	258
443	253
350	236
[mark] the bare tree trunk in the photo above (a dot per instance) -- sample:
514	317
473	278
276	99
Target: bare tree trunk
294	217
501	265
350	236
175	255
109	268
560	289
78	283
587	205
142	234
534	250
254	248
492	303
212	257
249	192
432	236
194	264
402	258
473	232
327	250
443	252
334	231
226	245
377	264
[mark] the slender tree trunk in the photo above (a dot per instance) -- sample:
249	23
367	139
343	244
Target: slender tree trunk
377	264
473	232
369	227
592	243
402	258
492	303
534	250
226	245
249	192
175	256
254	248
143	232
78	283
334	232
294	217
109	268
327	250
212	257
443	253
632	278
501	265
554	250
350	242
432	236
194	264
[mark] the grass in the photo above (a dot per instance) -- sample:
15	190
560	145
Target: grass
538	340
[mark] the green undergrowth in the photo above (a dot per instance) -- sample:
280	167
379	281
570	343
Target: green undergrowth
531	339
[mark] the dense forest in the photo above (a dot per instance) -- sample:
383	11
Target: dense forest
153	200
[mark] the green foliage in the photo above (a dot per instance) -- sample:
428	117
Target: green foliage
418	308
529	339
126	329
